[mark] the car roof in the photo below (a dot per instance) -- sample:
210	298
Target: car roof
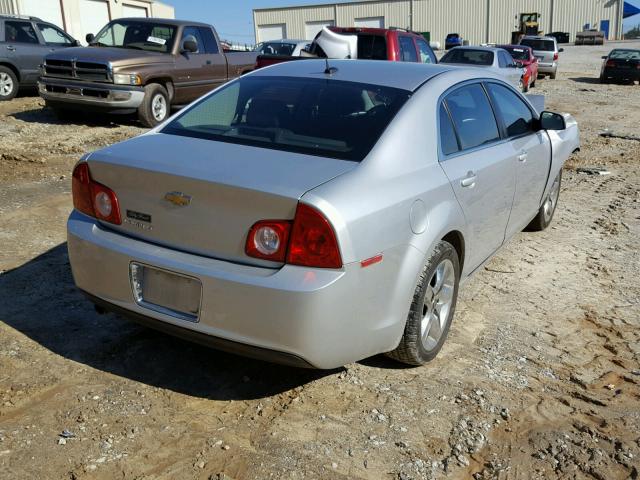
287	40
403	75
538	37
523	47
165	21
373	30
486	49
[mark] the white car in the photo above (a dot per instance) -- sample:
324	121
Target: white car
498	60
285	47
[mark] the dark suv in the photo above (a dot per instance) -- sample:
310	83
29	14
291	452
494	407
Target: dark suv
24	41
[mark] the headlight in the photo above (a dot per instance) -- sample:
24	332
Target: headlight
127	79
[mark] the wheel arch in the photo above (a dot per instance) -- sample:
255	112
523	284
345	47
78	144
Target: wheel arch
455	238
166	82
11	67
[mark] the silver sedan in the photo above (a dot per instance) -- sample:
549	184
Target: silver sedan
316	214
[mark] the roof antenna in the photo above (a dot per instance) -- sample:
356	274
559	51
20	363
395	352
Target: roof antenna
329	70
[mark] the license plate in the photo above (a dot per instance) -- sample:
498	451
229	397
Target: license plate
166	292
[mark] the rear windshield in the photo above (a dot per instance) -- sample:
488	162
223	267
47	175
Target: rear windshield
470	57
277	48
625	54
324	117
540	45
518	53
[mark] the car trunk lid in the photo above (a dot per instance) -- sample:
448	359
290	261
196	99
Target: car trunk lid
203	196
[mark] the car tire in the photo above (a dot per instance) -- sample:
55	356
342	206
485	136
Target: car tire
435	295
603	79
545	214
552	75
525	86
155	107
8	84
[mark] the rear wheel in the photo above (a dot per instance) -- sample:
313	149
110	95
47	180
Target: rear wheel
8	84
548	208
155	106
553	74
432	308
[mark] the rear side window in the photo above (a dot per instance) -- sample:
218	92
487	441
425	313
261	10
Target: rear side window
426	55
544	45
195	33
517	118
210	44
407	49
335	119
19	32
448	140
372	47
472	116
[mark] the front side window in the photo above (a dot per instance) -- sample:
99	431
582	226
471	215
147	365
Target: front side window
136	35
472	116
53	35
426	56
517	118
407	49
468	57
19	32
323	117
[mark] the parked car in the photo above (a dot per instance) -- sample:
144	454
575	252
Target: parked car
24	42
142	65
452	40
313	210
390	44
497	60
525	59
622	64
546	51
286	47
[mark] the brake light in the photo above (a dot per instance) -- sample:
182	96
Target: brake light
307	241
93	198
268	239
313	242
555	57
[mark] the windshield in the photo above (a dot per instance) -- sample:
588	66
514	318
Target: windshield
153	37
323	117
277	48
468	57
540	45
518	53
625	54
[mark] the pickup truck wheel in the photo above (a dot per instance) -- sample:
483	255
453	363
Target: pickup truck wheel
432	308
8	84
155	106
548	208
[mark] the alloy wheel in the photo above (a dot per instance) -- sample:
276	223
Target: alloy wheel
159	107
437	304
6	85
552	200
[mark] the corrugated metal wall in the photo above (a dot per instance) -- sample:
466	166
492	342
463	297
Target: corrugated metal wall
478	21
8	6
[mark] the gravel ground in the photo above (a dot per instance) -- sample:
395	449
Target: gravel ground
540	377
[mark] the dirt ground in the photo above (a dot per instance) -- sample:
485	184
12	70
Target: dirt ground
540	377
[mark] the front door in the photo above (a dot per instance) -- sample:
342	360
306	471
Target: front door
480	168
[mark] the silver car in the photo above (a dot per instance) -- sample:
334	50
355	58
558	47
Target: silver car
496	60
546	51
316	214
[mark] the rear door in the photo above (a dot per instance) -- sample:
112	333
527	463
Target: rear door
531	154
479	166
23	47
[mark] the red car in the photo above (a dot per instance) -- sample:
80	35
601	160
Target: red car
523	55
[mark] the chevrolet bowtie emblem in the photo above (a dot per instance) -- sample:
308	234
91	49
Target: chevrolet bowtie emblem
178	198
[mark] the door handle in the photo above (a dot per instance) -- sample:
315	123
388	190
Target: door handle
11	48
469	181
522	157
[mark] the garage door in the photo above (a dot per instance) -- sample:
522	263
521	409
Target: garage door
311	29
271	32
133	11
94	14
369	22
47	10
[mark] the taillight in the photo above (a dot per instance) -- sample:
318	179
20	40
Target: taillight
555	57
93	198
313	242
308	241
268	239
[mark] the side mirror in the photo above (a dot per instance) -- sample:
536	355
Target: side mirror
76	43
604	57
190	44
560	50
90	37
552	121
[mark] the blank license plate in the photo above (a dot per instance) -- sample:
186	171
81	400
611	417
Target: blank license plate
167	292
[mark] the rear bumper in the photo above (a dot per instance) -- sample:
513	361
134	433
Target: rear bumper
295	315
622	74
101	96
547	67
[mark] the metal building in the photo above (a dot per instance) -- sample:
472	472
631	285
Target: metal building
478	21
79	17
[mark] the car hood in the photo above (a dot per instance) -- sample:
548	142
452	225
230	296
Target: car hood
118	57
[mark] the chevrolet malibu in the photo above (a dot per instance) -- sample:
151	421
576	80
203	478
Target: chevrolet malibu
317	213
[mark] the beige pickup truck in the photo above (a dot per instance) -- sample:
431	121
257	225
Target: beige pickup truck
143	65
